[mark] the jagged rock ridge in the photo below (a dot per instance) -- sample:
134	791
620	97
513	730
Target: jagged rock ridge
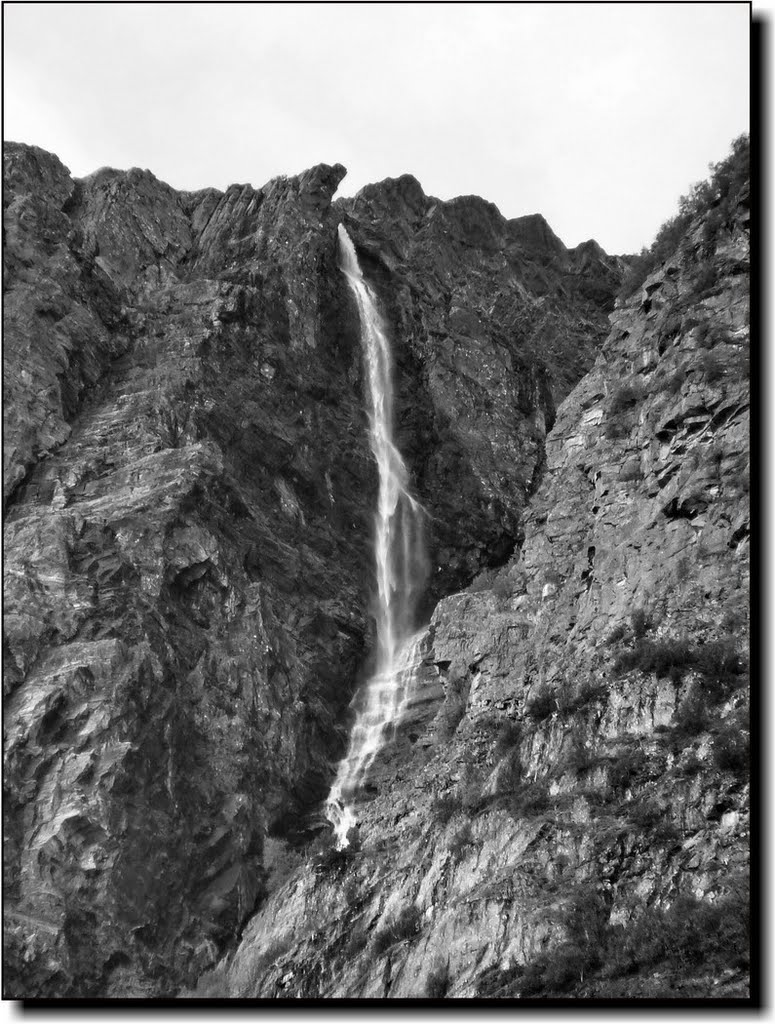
565	811
188	494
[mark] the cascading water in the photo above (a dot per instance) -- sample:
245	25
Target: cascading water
400	561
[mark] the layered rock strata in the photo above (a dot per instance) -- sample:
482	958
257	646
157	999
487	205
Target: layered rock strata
565	811
188	494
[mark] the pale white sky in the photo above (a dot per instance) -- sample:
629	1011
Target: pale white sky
597	115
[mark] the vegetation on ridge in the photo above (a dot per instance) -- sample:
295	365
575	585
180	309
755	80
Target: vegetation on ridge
715	197
680	940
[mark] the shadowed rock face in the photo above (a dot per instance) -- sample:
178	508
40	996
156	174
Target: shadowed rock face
189	493
491	324
189	457
564	811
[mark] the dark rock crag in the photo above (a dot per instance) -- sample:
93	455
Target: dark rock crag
565	810
188	494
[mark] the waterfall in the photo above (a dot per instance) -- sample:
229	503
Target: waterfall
400	562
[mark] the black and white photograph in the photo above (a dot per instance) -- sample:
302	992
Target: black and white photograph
377	505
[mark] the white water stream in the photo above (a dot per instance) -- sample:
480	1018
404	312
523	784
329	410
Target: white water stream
400	562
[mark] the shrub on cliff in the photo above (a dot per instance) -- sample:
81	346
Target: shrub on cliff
648	816
691	718
638	270
542	705
589	692
670	658
437	983
620	407
356	943
404	926
579	758
625	397
720	665
482	582
731	749
507	739
559	970
445	807
459	842
717	661
529	799
641	623
689	934
715	197
627	770
617	634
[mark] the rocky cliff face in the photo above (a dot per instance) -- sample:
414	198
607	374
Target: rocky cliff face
188	495
565	809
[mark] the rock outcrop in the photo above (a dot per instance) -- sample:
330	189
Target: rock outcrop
188	494
565	810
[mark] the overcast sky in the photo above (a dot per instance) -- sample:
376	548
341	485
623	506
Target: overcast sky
597	115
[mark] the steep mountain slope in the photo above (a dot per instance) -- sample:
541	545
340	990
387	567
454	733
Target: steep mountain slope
565	809
188	494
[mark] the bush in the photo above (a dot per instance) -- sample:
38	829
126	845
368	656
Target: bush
717	661
445	807
626	770
405	926
502	587
542	705
508	739
498	982
688	935
640	622
714	197
739	482
622	402
579	757
437	983
731	751
711	367
588	693
356	943
720	665
690	766
487	724
617	634
529	799
639	269
459	843
625	397
705	280
559	970
510	772
666	658
709	335
692	716
650	817
587	916
484	581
